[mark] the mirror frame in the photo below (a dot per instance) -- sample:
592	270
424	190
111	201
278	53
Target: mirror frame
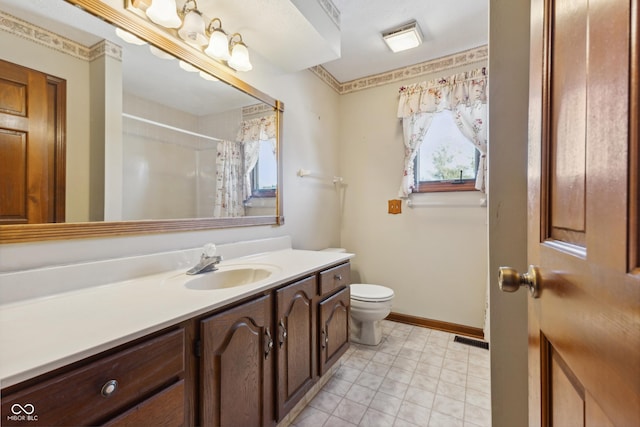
20	233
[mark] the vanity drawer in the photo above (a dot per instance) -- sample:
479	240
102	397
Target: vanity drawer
335	278
102	389
163	409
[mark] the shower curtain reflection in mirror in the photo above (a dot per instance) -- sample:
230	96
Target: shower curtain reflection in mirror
246	169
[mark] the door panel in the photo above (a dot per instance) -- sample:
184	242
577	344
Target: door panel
237	366
334	328
32	146
584	329
296	337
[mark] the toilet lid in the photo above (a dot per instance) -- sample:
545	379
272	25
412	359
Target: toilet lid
371	293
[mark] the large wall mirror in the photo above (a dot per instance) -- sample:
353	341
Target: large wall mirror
145	135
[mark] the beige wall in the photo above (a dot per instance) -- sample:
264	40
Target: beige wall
434	258
508	105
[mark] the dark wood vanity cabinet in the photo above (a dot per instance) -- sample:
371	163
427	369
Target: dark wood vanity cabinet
296	342
333	315
247	365
334	328
139	385
237	363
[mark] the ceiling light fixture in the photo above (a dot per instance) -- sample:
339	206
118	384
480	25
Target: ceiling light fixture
404	37
192	29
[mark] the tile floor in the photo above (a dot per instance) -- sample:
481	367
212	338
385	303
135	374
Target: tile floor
414	377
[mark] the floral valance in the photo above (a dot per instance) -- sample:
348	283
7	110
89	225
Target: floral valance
444	94
258	129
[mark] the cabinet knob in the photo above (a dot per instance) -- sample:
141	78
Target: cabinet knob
338	277
109	388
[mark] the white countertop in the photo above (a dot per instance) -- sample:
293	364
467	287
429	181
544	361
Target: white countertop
38	335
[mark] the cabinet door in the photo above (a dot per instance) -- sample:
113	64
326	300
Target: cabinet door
334	328
237	366
295	338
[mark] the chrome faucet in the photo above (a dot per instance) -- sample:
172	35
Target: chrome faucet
208	260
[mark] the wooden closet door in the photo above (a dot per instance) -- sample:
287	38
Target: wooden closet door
584	326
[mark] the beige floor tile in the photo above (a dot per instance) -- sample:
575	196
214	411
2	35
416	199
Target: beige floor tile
373	418
414	377
350	411
386	403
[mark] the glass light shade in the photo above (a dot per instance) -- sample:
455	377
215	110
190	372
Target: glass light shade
160	53
129	38
188	67
403	38
218	45
192	30
240	58
165	13
208	76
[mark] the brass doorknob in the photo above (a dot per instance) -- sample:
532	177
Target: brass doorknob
510	280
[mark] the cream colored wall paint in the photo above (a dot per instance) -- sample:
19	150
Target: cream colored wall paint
76	73
508	110
435	259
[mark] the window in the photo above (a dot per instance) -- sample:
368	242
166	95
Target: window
447	160
264	177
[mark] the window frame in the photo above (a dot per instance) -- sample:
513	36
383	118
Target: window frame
441	186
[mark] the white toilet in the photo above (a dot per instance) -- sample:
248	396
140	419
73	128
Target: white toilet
369	305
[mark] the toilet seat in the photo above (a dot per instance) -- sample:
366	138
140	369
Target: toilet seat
370	293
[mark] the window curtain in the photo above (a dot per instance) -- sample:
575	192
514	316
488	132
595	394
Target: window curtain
251	133
466	96
229	178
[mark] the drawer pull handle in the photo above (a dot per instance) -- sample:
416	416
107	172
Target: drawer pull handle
109	388
338	277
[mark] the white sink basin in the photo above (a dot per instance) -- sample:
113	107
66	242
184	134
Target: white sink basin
230	277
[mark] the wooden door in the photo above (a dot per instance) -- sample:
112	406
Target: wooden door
334	328
237	366
584	328
295	338
32	146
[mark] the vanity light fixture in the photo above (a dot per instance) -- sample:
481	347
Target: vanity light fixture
165	13
218	43
239	54
192	30
404	37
